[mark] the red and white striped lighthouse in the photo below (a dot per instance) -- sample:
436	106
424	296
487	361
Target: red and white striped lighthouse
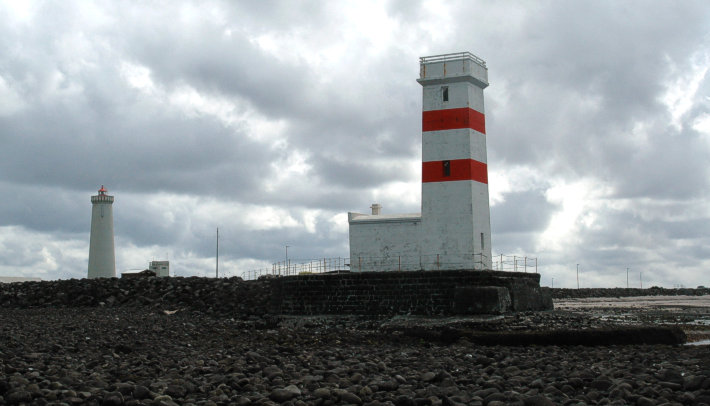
455	209
453	230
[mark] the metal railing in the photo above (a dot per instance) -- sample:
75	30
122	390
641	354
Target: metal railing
508	263
300	267
429	262
501	262
515	263
452	57
286	268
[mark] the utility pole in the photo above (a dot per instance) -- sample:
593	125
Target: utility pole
216	269
577	276
288	264
553	283
641	279
627	278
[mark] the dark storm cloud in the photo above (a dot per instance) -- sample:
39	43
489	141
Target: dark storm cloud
124	152
522	212
613	242
591	72
27	206
343	116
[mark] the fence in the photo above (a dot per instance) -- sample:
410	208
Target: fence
285	268
300	267
432	262
509	263
514	263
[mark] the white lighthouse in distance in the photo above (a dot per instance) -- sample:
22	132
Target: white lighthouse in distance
102	260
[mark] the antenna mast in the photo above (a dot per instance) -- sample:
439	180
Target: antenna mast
216	270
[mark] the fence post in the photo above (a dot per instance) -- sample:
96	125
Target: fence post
515	263
359	264
399	263
525	266
438	263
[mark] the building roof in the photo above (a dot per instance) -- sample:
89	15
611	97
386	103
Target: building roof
13	279
384	218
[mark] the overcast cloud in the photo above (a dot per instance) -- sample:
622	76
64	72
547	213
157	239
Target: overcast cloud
272	119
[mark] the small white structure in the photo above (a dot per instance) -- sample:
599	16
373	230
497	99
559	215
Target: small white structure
16	279
161	268
453	230
102	259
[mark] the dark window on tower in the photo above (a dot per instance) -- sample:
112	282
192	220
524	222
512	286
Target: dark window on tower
445	93
447	168
481	241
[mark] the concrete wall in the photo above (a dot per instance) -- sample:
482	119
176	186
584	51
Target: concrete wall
452	227
422	293
379	242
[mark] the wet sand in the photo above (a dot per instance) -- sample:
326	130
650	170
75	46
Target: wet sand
691	313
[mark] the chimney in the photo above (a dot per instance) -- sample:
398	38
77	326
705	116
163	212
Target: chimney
376	208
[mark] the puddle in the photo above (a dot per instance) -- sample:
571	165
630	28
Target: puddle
701	342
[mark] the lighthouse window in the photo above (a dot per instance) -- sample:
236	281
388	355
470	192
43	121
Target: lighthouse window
447	168
445	93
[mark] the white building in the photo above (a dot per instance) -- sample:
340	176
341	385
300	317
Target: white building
453	230
102	260
15	279
161	268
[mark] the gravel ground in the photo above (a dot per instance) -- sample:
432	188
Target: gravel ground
147	356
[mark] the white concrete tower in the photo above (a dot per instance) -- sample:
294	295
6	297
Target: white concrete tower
456	221
102	260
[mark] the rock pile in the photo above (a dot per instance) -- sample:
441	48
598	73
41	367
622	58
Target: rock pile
145	356
558	293
231	296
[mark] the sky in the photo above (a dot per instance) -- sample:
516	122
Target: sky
270	120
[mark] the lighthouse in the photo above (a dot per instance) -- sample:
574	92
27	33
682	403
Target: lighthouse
456	220
453	230
102	259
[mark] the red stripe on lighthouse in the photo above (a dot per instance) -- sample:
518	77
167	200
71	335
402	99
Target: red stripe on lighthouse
459	169
453	119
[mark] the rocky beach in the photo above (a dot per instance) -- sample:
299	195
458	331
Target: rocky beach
209	342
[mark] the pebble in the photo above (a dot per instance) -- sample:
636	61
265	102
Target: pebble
281	395
130	353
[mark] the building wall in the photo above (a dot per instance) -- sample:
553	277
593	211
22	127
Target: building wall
381	243
161	268
451	227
